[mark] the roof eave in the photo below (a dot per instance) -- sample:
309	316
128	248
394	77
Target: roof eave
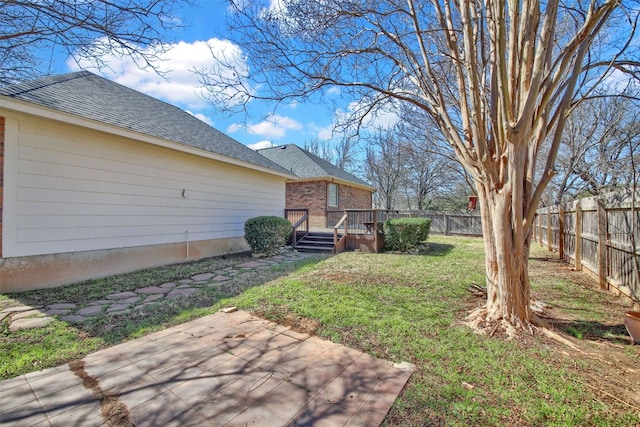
338	181
49	113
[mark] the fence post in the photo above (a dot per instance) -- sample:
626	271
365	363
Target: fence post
540	228
549	239
578	236
446	224
561	232
602	243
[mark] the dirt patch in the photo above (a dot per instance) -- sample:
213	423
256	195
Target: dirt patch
114	412
300	324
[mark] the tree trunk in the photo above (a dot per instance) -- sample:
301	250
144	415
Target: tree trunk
506	261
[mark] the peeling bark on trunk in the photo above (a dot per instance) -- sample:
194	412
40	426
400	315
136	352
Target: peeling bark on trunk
506	238
506	264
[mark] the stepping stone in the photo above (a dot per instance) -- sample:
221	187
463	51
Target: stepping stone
100	302
73	319
20	308
4	316
122	295
90	311
57	311
221	278
129	301
61	306
117	307
153	297
168	285
176	293
202	277
30	323
152	290
25	314
186	281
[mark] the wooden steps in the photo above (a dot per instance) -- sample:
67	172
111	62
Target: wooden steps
315	241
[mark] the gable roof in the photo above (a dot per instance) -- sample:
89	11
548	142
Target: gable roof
307	165
95	98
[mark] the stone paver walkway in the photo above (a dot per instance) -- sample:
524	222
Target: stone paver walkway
228	369
25	317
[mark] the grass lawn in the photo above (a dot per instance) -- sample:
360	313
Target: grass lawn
404	308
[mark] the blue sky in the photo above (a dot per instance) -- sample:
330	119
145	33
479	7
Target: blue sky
205	30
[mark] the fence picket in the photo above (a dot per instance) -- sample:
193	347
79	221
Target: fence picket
598	235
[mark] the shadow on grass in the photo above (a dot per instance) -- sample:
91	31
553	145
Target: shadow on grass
594	331
426	248
435	249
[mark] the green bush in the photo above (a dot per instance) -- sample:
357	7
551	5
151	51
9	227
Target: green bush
405	233
266	233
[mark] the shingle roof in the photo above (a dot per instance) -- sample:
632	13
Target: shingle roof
307	165
93	97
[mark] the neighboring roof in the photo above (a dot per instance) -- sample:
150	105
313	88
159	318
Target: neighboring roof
307	165
92	97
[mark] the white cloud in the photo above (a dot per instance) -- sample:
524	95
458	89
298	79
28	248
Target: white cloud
334	90
261	144
323	133
234	127
383	116
177	84
201	117
274	126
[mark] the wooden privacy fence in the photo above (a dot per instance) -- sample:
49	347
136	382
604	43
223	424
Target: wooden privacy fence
459	223
598	236
462	223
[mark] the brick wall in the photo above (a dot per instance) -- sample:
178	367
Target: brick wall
313	196
354	198
1	176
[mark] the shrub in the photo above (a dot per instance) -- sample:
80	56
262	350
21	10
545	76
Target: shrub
266	233
405	233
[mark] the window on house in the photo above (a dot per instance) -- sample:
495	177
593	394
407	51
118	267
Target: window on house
332	195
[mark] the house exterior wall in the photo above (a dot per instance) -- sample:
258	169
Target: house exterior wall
79	204
313	196
354	198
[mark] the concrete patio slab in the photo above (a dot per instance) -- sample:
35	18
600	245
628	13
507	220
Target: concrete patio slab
228	369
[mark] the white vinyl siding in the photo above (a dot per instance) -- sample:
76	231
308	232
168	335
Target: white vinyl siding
79	190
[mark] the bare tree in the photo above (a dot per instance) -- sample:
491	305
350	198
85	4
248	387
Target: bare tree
433	174
341	152
35	30
499	79
385	167
599	145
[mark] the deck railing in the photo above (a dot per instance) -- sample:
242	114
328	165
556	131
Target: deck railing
340	242
368	221
333	217
299	219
